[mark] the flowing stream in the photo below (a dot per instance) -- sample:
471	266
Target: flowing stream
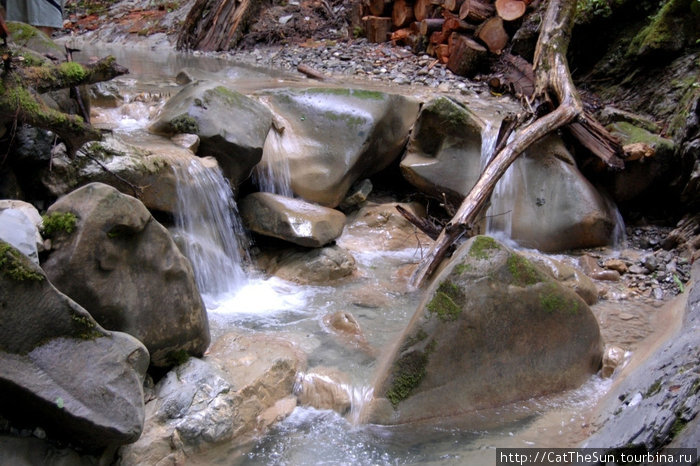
210	232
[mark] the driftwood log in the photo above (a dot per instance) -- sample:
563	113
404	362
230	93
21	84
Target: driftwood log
553	87
20	87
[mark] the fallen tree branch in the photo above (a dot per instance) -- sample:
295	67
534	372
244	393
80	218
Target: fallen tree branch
553	85
20	102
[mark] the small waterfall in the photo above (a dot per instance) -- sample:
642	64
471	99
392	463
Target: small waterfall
495	220
212	233
359	399
489	135
272	175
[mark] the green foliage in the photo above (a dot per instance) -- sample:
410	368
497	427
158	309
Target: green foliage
184	124
15	266
587	10
553	299
678	283
58	222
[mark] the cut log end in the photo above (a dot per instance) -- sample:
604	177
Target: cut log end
510	10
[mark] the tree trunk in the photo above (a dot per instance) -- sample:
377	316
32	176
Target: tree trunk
378	29
466	56
553	83
213	25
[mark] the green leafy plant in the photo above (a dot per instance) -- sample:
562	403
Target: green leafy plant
58	222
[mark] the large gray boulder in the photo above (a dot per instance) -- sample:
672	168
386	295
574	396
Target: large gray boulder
150	167
61	371
544	202
333	136
444	152
231	127
292	220
124	268
19	226
244	385
492	329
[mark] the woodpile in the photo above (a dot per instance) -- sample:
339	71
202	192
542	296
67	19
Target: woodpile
458	33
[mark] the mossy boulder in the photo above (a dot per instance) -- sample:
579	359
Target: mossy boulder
640	176
674	27
29	37
125	269
61	371
335	136
231	127
121	165
444	152
493	329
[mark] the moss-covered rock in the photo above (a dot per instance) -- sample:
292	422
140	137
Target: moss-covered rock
670	30
493	329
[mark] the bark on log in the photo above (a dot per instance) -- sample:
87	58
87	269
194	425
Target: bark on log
594	137
378	7
452	5
430	25
377	28
466	55
401	13
476	10
553	82
422	9
213	25
442	52
493	34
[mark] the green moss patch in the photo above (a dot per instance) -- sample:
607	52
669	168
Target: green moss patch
552	299
72	71
177	358
184	124
522	271
481	246
409	371
58	222
451	114
15	266
447	302
85	328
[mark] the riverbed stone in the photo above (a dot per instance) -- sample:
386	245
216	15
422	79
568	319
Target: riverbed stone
292	220
335	136
242	386
492	329
569	276
62	371
444	152
124	268
319	266
324	388
544	202
147	168
231	127
380	227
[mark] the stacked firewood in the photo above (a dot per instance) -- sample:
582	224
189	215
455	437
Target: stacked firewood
459	33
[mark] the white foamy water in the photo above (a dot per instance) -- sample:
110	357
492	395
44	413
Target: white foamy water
263	297
210	228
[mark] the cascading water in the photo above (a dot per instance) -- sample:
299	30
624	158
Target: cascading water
272	175
496	221
213	236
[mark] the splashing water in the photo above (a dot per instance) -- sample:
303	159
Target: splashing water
213	236
272	174
489	135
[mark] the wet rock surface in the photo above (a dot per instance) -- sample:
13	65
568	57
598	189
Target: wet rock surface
658	399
